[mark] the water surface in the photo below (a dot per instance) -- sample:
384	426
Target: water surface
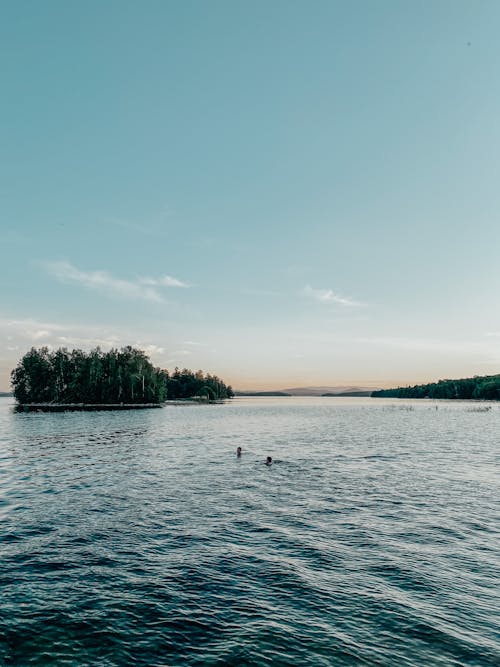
139	538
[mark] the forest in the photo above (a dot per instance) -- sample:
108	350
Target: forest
186	384
483	388
118	376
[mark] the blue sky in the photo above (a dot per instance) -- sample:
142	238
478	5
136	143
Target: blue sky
283	193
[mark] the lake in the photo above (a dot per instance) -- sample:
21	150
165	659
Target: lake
138	538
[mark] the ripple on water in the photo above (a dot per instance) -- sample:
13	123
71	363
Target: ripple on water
139	538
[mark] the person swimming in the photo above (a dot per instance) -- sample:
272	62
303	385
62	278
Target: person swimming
269	460
238	452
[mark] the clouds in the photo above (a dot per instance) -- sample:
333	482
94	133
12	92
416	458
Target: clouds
145	289
17	335
33	332
164	281
328	296
28	332
148	288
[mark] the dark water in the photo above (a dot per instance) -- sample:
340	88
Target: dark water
138	538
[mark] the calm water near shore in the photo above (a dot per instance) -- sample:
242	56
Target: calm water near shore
138	538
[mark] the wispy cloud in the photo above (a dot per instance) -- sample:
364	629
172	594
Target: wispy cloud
328	296
149	348
29	330
18	335
52	334
33	332
142	288
163	281
86	341
40	334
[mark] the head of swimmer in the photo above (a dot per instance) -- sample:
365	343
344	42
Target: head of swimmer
238	451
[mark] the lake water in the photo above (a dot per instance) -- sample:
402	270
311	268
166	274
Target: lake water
138	538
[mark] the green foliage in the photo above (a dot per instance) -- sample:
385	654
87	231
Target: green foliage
117	376
486	388
186	384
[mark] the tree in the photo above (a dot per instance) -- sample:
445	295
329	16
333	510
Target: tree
116	376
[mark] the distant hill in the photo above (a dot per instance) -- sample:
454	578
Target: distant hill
351	393
330	391
261	393
312	391
6	394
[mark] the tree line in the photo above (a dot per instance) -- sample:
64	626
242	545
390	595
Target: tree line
485	388
123	375
186	384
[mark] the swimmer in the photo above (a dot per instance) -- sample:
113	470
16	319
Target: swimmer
238	452
269	460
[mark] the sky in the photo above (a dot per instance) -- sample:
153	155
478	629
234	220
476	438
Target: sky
284	193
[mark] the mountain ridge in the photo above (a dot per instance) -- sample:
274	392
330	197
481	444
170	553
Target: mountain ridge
310	391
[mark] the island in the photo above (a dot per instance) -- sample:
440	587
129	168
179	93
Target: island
479	387
97	380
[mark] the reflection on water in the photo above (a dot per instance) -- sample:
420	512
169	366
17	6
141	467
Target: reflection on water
140	538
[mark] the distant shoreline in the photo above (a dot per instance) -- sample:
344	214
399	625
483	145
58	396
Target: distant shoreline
88	407
94	407
479	388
